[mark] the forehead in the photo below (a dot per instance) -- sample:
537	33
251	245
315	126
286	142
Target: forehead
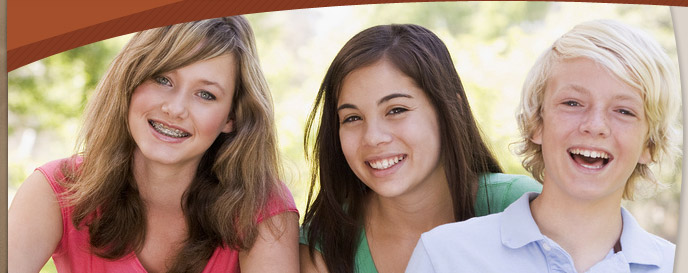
376	80
584	75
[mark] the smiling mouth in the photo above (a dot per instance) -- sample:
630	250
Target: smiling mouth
386	163
590	159
170	132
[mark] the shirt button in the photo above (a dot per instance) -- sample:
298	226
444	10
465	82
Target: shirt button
546	247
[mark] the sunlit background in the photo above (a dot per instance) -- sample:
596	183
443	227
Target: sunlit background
493	45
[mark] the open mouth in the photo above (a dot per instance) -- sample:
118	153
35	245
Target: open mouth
590	159
385	163
170	132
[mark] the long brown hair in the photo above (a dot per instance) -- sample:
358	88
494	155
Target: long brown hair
235	175
334	216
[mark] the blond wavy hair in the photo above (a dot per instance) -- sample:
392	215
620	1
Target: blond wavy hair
236	174
633	57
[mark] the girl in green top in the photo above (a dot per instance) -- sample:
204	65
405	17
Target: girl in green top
396	152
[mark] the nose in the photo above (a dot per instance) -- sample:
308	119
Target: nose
174	105
595	123
376	133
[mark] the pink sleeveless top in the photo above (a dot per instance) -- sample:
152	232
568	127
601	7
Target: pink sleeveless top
73	254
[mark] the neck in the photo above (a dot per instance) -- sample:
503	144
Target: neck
394	224
586	229
411	215
161	186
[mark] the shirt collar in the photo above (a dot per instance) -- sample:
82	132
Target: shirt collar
638	245
517	227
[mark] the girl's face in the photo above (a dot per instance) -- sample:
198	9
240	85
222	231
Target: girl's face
593	132
175	116
389	131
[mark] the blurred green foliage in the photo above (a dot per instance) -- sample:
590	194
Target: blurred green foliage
43	94
493	45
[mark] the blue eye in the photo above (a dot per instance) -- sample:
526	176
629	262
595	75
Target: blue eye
162	80
397	110
206	95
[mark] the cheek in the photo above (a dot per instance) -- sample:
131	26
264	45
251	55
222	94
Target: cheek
211	120
143	99
558	123
636	140
348	143
425	132
137	103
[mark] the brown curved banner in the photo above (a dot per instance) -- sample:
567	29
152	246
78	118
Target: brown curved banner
37	29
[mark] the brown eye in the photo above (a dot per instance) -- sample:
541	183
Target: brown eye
397	110
351	119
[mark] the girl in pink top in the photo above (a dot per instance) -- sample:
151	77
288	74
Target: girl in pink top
177	169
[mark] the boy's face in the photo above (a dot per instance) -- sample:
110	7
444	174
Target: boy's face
593	132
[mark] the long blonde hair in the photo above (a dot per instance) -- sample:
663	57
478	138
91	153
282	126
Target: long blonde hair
236	174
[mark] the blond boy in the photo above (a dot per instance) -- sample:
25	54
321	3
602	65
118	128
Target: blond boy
597	108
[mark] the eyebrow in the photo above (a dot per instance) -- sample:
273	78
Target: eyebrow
577	88
393	96
581	89
209	82
202	81
381	101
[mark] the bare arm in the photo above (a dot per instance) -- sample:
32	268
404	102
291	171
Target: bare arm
276	246
308	265
34	225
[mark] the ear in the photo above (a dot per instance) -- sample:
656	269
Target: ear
645	156
537	135
229	126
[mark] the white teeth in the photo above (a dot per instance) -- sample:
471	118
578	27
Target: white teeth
159	127
385	163
589	153
592	167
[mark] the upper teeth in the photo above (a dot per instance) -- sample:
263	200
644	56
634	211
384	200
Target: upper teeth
167	130
386	163
588	153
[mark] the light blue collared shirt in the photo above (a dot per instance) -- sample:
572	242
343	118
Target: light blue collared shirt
511	242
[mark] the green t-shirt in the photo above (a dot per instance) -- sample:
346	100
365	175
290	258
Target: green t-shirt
503	189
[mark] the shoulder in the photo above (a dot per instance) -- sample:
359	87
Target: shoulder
504	189
303	236
657	251
280	200
665	249
458	245
511	180
465	233
668	251
644	248
53	171
35	223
